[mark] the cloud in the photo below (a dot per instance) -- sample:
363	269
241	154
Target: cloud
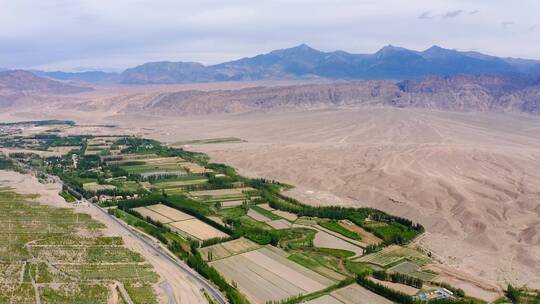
507	24
426	15
453	14
447	15
66	34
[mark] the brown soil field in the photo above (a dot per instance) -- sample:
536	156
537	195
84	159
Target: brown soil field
240	245
326	240
218	252
399	287
257	216
97	187
153	215
326	299
169	212
223	250
356	294
266	207
264	275
286	215
279	224
63	149
198	229
194	168
230	204
367	237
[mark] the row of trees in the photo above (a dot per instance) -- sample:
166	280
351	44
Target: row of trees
398	278
393	295
401	232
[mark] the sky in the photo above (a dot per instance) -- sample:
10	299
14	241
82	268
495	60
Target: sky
111	35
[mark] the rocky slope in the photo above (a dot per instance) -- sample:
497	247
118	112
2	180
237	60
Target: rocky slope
19	88
26	82
497	93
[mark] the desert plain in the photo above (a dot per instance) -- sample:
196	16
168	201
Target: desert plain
471	178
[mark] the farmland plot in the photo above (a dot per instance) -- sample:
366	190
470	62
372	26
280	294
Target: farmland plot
66	265
394	253
174	184
367	237
97	187
168	212
286	215
266	207
221	192
279	224
197	229
324	239
240	245
326	299
164	168
194	168
223	250
356	294
63	149
231	204
413	270
153	215
264	275
257	216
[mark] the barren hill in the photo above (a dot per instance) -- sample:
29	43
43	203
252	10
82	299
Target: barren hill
483	93
26	82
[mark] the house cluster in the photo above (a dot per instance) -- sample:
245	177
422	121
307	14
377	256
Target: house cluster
110	198
435	295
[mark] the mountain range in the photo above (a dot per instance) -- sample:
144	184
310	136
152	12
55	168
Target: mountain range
463	93
303	62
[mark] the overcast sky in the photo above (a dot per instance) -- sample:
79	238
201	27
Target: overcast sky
114	34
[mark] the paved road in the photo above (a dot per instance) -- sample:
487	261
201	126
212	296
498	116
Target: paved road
181	266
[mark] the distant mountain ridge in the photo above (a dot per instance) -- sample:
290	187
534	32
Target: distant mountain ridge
305	62
87	76
18	85
28	83
463	93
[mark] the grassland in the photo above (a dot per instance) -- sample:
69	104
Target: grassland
46	256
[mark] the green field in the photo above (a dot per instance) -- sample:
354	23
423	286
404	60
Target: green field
49	246
266	213
394	255
67	196
139	169
178	179
336	227
128	186
413	270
